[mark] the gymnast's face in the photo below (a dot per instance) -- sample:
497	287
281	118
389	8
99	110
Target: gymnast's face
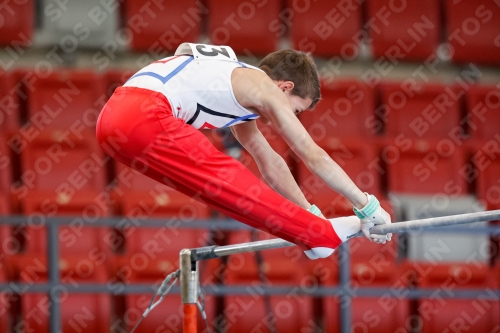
297	103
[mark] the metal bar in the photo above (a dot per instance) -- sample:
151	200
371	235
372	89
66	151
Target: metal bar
89	288
189	277
436	222
221	290
55	289
211	224
212	252
345	284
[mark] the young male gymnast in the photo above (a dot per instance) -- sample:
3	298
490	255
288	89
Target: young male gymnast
160	109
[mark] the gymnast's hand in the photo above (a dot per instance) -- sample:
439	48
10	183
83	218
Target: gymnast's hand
370	215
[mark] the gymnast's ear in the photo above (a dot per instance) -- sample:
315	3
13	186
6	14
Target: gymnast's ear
285	85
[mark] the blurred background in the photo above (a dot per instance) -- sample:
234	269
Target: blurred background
410	110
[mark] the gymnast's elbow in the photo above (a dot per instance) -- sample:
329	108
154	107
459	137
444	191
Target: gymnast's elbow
314	158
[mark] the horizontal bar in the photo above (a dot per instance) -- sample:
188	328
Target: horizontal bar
212	224
318	291
207	224
260	290
86	288
434	222
212	252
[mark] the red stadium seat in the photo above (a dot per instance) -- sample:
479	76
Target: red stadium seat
18	19
166	317
154	252
277	143
8	245
84	258
5	166
279	268
249	313
408	30
375	263
140	195
66	100
160	27
151	254
484	168
331	313
426	167
243	25
65	165
362	250
62	175
391	313
325	28
75	240
217	138
275	262
79	312
346	110
80	244
429	111
115	78
473	31
79	240
9	103
242	266
483	104
325	271
378	315
4	306
441	314
354	158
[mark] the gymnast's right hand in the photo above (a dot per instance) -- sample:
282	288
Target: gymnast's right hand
370	215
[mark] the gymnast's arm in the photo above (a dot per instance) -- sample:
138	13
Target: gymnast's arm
262	95
271	165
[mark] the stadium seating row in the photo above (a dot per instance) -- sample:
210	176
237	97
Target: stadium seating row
425	132
73	173
71	100
404	165
372	266
397	31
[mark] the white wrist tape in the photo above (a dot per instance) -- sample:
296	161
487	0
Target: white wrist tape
369	209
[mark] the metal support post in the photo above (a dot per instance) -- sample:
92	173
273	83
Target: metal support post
189	290
345	284
53	270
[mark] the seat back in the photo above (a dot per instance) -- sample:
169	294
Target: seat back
66	100
17	24
427	167
473	30
483	104
325	27
410	30
244	26
165	26
430	111
344	112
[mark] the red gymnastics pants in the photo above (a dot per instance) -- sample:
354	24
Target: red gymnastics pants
136	127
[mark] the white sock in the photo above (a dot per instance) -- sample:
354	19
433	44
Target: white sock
344	226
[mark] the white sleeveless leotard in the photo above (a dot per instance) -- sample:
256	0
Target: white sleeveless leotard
197	85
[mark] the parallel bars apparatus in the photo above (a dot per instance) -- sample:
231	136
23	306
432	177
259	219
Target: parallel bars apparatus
189	257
